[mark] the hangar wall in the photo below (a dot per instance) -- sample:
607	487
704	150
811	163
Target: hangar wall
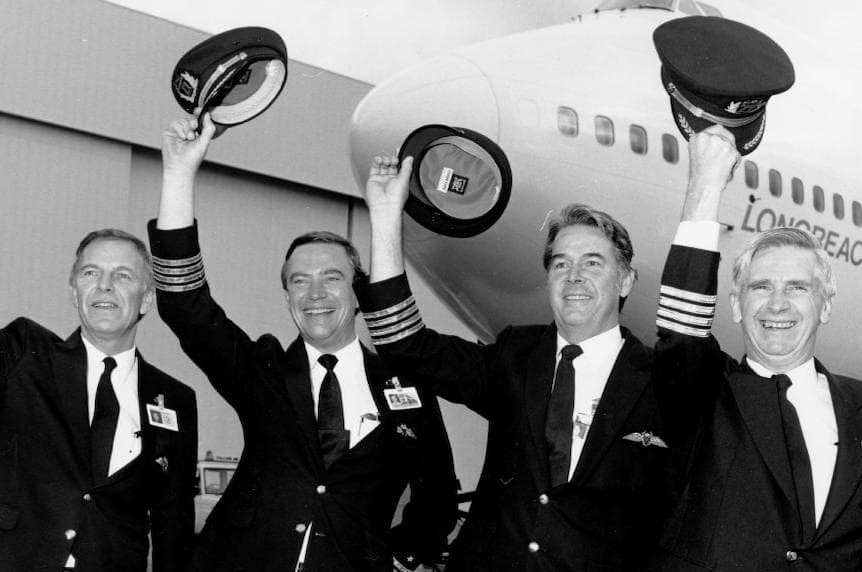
84	96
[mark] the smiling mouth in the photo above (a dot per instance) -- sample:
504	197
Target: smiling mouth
104	305
577	297
318	311
770	325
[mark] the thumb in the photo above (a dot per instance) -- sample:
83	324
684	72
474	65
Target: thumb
208	130
406	170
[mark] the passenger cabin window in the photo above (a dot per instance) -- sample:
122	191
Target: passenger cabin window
669	148
857	213
774	183
819	198
752	175
838	206
797	192
604	130
567	121
638	139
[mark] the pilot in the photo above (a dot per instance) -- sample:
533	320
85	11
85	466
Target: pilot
770	444
332	438
576	456
85	472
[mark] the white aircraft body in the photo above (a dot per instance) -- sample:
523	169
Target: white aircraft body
580	112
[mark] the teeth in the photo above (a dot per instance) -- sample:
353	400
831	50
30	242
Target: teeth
318	311
778	325
577	297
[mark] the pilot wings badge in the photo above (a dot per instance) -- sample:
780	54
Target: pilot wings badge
647	439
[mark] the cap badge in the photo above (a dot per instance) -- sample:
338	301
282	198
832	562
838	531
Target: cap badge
186	86
744	107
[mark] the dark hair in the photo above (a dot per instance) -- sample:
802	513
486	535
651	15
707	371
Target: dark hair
784	236
114	234
325	237
576	214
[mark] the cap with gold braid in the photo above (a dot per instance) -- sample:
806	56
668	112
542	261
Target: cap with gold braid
718	71
235	75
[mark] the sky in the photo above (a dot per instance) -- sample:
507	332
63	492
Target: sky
372	39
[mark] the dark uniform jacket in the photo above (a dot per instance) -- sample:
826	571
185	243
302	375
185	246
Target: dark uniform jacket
738	509
607	515
49	506
281	487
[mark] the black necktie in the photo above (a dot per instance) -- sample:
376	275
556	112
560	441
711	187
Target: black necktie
334	439
559	425
800	464
104	425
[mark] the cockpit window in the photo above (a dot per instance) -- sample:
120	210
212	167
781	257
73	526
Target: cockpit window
630	4
690	7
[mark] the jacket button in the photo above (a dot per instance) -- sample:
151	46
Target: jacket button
71	534
300	528
321	489
533	547
791	556
87	497
543	499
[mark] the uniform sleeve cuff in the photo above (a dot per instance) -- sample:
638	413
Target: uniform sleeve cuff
389	309
177	262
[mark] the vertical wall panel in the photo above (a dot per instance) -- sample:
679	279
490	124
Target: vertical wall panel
55	186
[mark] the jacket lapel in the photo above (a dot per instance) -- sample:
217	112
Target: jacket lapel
848	465
538	382
298	382
626	382
69	366
757	400
149	390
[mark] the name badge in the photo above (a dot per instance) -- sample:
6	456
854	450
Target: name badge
402	398
160	416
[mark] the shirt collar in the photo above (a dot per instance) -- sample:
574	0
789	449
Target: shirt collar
799	374
606	342
349	354
125	359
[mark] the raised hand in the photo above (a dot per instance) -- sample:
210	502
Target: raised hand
388	187
183	149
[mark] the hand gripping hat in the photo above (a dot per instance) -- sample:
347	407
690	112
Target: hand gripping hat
234	75
718	71
461	180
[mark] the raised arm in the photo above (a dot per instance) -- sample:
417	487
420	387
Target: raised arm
183	151
386	194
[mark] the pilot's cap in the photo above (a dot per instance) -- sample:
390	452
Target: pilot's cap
718	71
461	180
235	75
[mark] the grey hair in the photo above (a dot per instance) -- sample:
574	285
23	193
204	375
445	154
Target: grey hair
114	234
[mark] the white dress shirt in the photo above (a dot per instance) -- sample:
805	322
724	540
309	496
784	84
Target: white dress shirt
810	396
124	379
360	410
592	369
809	392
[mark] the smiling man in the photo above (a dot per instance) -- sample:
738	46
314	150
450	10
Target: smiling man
83	475
770	464
574	468
327	455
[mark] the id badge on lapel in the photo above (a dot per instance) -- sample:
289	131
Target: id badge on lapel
400	398
160	416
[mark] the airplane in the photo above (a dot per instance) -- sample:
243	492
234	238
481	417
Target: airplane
581	114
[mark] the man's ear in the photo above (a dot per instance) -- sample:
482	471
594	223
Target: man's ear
736	307
148	301
73	295
826	310
627	283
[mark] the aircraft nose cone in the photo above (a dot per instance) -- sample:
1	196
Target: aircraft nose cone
449	90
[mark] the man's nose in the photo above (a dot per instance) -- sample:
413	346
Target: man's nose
574	274
778	300
316	290
106	282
